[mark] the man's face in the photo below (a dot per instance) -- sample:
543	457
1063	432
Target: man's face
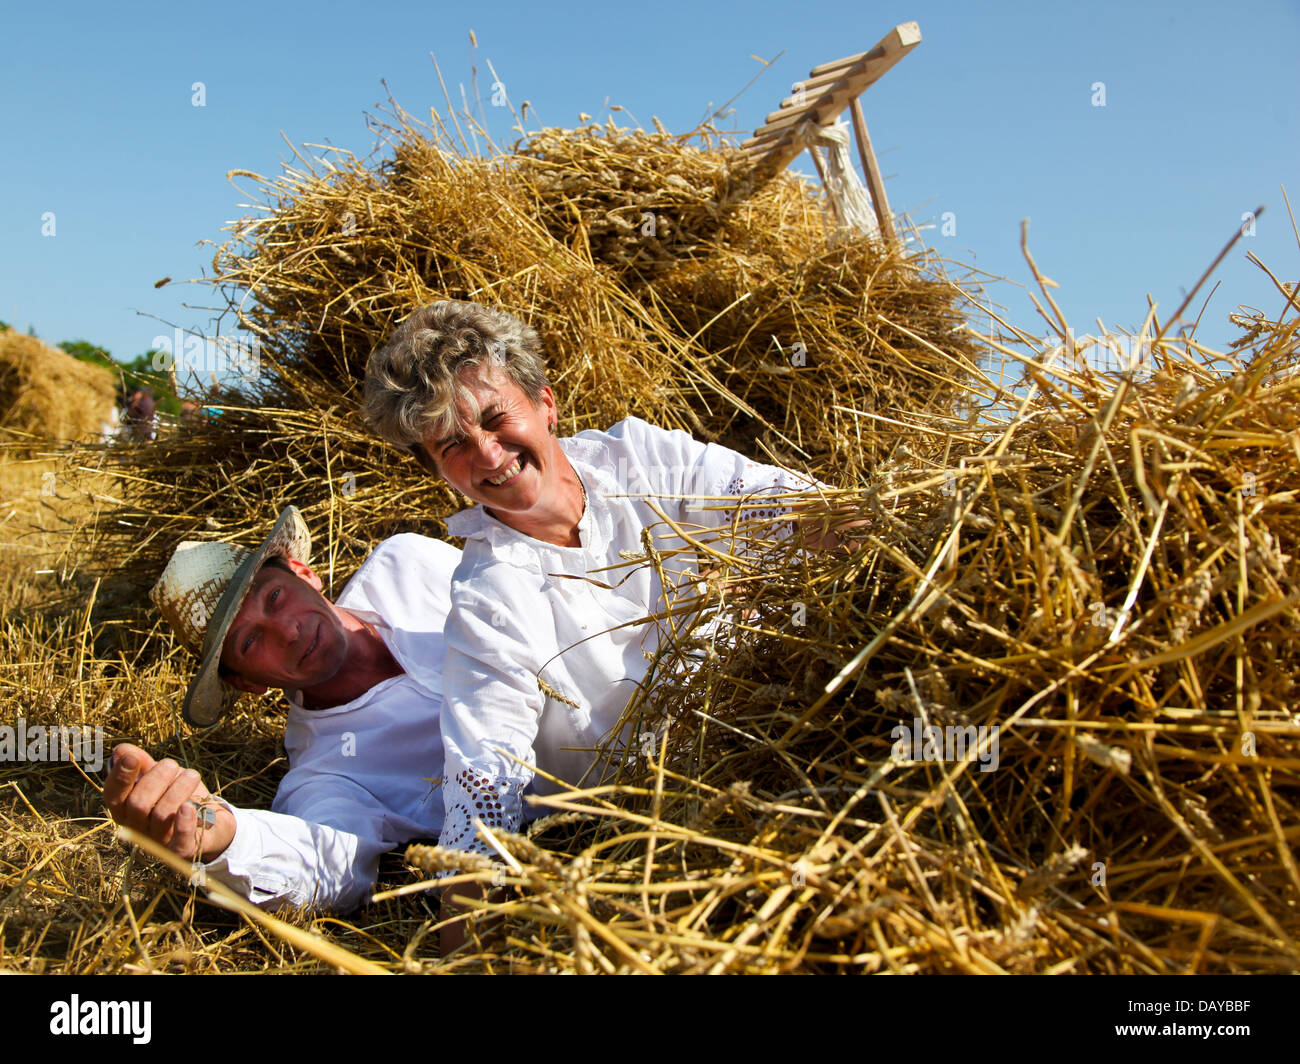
508	461
286	634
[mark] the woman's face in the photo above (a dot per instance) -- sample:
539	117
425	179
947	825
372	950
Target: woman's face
509	461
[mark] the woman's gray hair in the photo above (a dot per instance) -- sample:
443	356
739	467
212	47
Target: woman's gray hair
413	382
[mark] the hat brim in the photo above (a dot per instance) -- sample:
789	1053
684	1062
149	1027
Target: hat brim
209	697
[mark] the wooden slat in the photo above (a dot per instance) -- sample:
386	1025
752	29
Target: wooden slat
785	112
824	109
839	64
765	138
766	133
758	152
813	85
849	85
875	181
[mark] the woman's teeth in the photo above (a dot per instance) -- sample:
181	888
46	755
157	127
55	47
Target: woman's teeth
498	481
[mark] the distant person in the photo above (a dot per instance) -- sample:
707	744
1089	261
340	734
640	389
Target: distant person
141	415
191	415
213	405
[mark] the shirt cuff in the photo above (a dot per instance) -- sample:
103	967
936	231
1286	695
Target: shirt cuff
240	865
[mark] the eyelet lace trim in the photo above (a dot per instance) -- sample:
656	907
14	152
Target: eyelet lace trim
474	796
751	513
784	485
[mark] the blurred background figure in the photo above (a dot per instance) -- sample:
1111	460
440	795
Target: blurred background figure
191	415
140	418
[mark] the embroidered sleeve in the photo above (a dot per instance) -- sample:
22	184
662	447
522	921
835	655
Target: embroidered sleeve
471	795
499	635
754	486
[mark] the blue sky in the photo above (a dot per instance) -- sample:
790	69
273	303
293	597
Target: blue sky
991	118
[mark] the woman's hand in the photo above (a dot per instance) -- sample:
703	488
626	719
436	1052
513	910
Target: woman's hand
821	537
454	935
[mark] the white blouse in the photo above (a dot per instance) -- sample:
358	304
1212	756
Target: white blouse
546	644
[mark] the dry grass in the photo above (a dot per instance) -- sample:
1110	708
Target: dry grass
776	832
1085	573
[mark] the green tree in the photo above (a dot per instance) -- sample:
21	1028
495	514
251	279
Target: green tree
138	372
84	351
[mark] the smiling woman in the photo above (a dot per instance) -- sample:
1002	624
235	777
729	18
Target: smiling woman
414	385
507	461
550	628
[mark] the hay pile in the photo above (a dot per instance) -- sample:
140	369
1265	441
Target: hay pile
756	335
637	201
1090	576
46	394
1109	579
48	399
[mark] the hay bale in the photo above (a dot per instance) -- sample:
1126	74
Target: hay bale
47	395
735	321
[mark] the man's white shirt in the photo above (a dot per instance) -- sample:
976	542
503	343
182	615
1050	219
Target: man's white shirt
364	776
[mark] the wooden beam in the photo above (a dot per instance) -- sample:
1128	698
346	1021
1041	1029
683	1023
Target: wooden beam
875	181
905	36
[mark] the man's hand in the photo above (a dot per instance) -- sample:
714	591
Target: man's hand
160	799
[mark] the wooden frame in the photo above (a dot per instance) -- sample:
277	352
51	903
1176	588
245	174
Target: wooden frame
822	98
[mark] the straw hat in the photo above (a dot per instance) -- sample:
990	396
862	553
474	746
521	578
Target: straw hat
199	594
